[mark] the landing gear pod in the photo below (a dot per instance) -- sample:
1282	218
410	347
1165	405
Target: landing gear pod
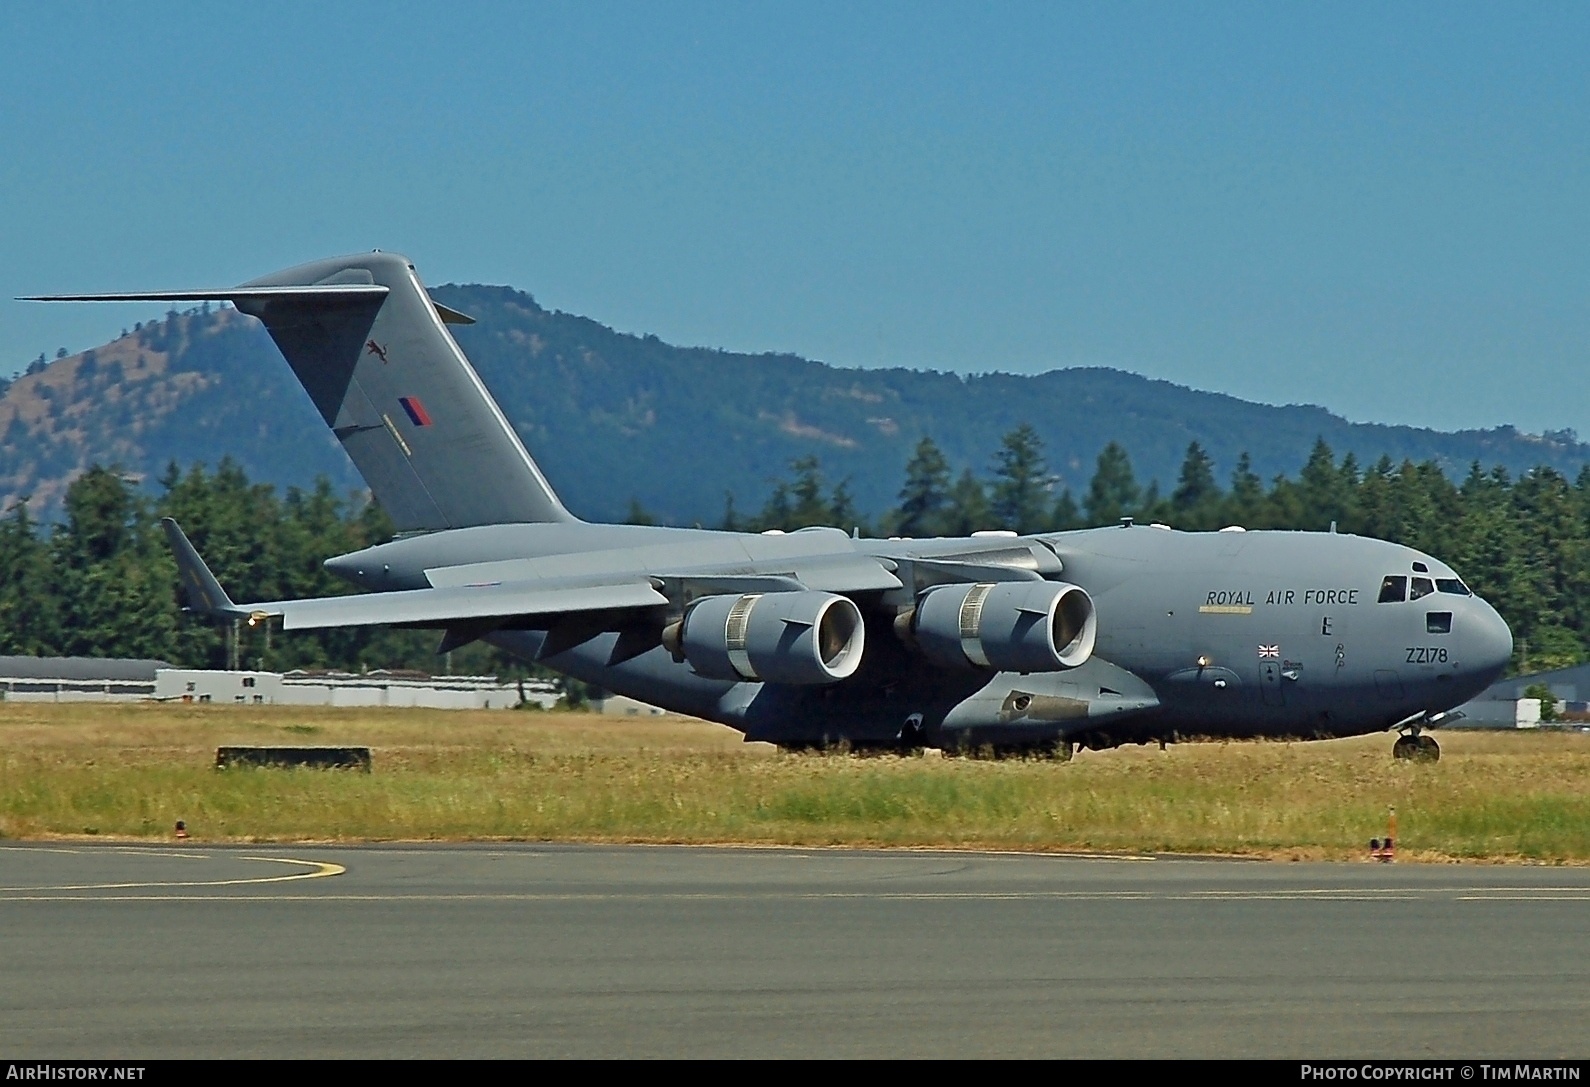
1011	626
800	638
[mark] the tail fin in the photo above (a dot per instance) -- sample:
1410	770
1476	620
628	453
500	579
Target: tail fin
370	348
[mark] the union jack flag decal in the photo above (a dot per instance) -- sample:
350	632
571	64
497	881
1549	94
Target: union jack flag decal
1269	651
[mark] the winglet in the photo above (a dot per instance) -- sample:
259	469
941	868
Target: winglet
203	593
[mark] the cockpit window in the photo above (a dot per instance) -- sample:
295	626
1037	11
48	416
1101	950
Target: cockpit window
1422	586
1393	589
1420	568
1452	585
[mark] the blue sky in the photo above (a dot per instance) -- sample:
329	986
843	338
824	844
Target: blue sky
1378	208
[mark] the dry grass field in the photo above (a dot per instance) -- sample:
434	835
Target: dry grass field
131	770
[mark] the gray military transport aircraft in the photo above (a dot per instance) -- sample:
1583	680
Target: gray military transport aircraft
991	643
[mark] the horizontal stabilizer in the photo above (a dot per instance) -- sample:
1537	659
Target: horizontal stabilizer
324	291
226	294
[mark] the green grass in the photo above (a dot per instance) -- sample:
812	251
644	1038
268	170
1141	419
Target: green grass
131	771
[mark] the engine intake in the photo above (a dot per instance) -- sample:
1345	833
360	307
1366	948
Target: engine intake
1009	626
799	638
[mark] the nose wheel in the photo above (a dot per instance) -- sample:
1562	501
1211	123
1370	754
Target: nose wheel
1416	746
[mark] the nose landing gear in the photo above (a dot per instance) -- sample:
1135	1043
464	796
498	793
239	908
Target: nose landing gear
1416	746
1413	743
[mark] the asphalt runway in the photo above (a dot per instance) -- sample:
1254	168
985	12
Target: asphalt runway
441	951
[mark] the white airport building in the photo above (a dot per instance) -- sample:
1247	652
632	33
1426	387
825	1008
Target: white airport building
380	688
104	679
77	679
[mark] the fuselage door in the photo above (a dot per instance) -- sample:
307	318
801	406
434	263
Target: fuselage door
1388	684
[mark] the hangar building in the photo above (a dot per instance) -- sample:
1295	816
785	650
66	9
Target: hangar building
77	679
1503	704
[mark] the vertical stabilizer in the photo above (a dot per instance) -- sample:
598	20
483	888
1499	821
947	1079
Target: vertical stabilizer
406	404
371	349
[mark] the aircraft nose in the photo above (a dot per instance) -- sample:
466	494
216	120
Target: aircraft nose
1490	643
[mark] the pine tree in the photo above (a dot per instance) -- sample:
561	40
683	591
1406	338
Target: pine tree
1020	499
1065	515
842	511
1195	484
777	512
810	507
115	586
29	613
926	493
1324	493
1246	498
968	512
1113	492
1194	504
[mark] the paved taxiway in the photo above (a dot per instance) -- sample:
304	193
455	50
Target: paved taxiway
110	951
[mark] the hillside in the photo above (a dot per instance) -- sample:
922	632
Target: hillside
612	416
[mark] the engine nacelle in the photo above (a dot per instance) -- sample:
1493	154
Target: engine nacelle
1009	626
800	638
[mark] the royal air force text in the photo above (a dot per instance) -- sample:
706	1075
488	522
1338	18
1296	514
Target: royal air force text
1250	598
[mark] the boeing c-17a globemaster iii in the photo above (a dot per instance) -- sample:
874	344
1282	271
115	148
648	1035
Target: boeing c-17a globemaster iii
994	642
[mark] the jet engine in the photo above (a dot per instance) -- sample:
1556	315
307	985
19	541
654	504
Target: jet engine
1009	626
800	637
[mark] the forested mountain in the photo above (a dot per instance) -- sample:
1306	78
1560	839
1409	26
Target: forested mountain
101	581
615	418
630	428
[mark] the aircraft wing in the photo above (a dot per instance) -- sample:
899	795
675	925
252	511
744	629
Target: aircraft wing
447	605
467	599
780	564
460	605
